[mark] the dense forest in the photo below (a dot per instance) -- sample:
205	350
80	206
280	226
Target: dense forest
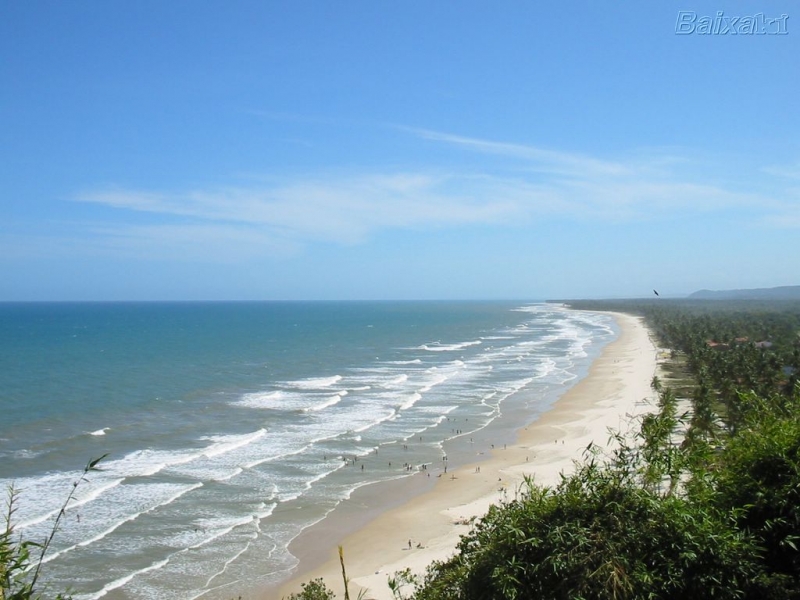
701	503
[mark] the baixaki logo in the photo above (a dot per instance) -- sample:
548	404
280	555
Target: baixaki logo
689	22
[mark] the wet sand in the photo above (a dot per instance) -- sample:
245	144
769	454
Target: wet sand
432	513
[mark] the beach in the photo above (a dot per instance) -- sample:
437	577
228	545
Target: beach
244	442
428	526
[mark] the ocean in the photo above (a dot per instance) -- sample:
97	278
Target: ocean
231	427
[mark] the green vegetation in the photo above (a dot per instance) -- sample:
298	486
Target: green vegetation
20	566
595	536
317	590
313	590
702	505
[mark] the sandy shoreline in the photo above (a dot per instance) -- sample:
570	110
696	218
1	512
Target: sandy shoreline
617	387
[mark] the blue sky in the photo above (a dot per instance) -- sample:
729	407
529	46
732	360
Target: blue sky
393	150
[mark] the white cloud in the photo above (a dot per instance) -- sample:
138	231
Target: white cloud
278	218
549	161
344	210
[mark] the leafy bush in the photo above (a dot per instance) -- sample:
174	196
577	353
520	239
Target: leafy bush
759	478
599	534
19	571
313	590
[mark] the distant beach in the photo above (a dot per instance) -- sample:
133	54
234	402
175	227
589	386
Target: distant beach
379	539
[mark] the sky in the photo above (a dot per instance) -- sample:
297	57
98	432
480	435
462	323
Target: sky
403	149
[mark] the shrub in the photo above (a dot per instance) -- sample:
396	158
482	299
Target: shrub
313	590
598	535
19	571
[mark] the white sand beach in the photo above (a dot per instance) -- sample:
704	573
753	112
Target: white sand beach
428	527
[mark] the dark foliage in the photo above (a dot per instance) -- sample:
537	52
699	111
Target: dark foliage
597	536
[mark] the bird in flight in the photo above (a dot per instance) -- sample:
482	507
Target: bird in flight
655	292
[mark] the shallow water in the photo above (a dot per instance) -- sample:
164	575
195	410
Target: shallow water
230	427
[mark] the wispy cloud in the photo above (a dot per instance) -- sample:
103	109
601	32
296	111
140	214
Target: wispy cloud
550	161
341	210
276	218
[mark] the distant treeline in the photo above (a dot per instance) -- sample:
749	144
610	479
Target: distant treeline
742	345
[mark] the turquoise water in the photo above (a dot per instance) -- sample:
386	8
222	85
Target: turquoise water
229	427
